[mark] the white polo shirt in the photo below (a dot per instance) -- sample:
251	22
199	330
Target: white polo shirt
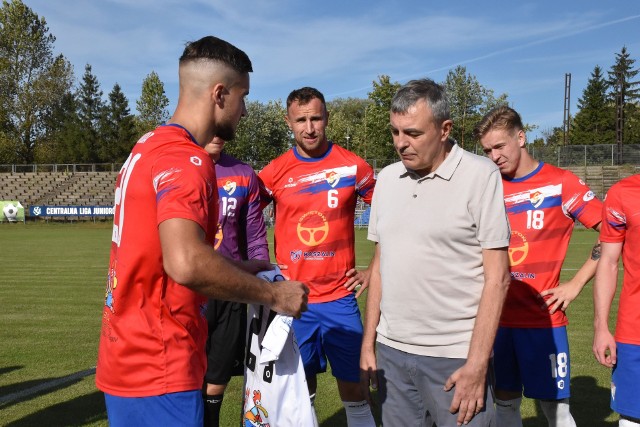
431	232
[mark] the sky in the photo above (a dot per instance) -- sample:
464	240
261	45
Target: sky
521	48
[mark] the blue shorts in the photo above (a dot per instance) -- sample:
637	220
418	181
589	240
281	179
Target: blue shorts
533	361
183	409
331	330
625	381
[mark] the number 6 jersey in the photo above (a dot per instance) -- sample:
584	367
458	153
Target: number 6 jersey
315	200
275	390
542	207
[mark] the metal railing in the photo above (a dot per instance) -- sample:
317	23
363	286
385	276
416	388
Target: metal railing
561	156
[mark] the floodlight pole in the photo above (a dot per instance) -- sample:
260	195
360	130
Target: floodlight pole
620	116
567	115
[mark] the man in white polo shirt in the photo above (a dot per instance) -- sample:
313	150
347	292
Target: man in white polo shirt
439	274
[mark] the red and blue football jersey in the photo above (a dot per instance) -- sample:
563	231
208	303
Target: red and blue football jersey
621	223
315	200
154	329
542	207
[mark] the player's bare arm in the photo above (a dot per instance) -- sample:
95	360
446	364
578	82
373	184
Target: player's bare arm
368	364
470	379
190	261
560	297
604	289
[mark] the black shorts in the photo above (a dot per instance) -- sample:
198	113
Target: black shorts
226	342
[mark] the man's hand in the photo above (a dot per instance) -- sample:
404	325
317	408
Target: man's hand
368	373
469	396
290	298
355	278
560	297
604	348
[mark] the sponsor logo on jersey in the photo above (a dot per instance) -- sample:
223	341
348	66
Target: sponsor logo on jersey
296	255
588	196
332	178
536	197
290	183
518	248
230	187
561	384
257	415
581	182
196	160
312	228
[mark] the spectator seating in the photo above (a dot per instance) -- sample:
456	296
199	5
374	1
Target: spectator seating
59	188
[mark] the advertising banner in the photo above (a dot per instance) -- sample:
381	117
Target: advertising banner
11	211
71	211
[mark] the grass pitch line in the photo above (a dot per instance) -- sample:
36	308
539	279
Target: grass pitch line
46	386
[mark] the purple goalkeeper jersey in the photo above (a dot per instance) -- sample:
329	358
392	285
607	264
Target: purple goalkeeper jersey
241	230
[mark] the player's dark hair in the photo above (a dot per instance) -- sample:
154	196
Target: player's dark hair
423	89
304	95
501	117
215	49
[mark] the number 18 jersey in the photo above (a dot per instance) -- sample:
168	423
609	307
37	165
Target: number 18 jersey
542	207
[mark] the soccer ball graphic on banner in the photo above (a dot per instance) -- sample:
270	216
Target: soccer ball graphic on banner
10	212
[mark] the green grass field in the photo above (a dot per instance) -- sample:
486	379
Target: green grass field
51	295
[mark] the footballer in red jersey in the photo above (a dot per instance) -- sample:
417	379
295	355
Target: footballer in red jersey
531	350
314	187
620	236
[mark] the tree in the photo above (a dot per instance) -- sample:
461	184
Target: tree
377	139
623	71
117	128
468	102
152	105
594	121
90	110
465	98
32	80
63	131
262	135
346	123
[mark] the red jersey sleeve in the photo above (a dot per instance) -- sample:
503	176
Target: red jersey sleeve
365	181
614	224
579	201
184	184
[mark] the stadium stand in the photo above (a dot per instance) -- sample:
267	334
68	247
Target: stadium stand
59	188
73	188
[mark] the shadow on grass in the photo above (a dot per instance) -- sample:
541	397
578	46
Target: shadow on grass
589	405
8	369
19	392
80	411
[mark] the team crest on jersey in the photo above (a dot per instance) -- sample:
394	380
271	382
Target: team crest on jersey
296	255
536	197
112	282
332	178
230	187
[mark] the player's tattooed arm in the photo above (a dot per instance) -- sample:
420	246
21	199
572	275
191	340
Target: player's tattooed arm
596	251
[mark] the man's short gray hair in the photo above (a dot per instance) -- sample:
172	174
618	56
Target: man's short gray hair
423	89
